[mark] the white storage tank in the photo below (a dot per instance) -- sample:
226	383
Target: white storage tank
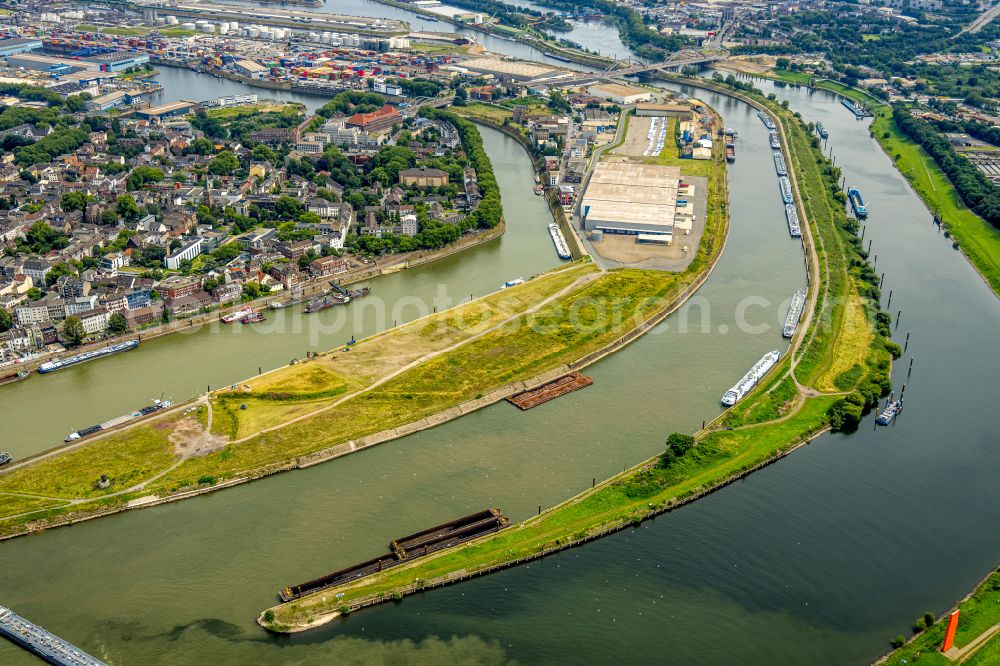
208	29
172	20
189	26
234	26
253	33
224	28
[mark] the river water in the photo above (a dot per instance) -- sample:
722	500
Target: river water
820	558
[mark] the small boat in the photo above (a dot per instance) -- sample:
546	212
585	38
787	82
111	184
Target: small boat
888	415
253	318
512	283
236	316
4	458
822	131
539	190
277	305
18	376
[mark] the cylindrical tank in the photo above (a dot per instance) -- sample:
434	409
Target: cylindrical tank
172	20
208	29
189	26
253	33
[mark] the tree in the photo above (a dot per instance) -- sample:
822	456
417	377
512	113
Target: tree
117	323
73	330
72	201
263	153
34	294
127	208
680	443
224	164
6	321
142	175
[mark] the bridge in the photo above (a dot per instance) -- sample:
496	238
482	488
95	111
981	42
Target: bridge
675	61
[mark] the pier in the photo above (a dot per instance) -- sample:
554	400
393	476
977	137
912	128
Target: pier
42	643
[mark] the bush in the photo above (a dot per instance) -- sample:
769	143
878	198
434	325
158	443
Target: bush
919	625
898	641
929	619
269	616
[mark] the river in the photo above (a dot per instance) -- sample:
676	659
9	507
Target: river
820	558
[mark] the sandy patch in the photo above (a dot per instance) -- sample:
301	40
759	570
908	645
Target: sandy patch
190	439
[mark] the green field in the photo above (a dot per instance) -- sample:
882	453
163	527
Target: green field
387	381
121	32
978	613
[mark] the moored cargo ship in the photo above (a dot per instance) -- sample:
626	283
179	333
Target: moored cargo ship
236	316
157	406
822	131
562	249
792	217
857	203
786	189
855	107
749	380
779	164
52	366
730	152
766	119
775	140
324	302
794	313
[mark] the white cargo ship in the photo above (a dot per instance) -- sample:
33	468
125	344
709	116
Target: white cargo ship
779	164
786	189
775	141
52	366
766	119
236	316
754	375
562	249
792	216
794	313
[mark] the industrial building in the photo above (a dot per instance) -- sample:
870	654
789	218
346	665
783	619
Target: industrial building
166	111
9	47
639	200
118	61
619	93
515	69
680	111
53	65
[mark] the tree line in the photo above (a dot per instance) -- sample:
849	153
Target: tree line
975	189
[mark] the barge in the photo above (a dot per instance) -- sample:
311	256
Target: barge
775	140
794	313
16	377
856	108
562	249
857	203
786	189
779	164
749	380
550	391
407	549
823	134
889	414
730	152
157	406
766	119
792	217
43	644
52	366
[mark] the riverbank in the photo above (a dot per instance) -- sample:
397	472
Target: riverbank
314	287
720	456
977	239
977	641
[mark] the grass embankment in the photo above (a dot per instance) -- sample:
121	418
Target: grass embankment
977	239
384	382
772	420
979	612
489	112
292	109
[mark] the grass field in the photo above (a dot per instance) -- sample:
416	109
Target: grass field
121	32
337	395
495	114
233	112
978	613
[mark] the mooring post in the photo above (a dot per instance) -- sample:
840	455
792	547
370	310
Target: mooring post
869	250
881	280
258	370
890	300
593	482
907	342
875	260
898	315
539	509
862	232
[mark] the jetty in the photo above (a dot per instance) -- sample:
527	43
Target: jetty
554	389
42	643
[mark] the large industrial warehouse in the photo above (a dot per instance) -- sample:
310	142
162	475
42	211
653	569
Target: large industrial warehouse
633	199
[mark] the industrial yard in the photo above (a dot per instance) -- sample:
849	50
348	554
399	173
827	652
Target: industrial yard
644	206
